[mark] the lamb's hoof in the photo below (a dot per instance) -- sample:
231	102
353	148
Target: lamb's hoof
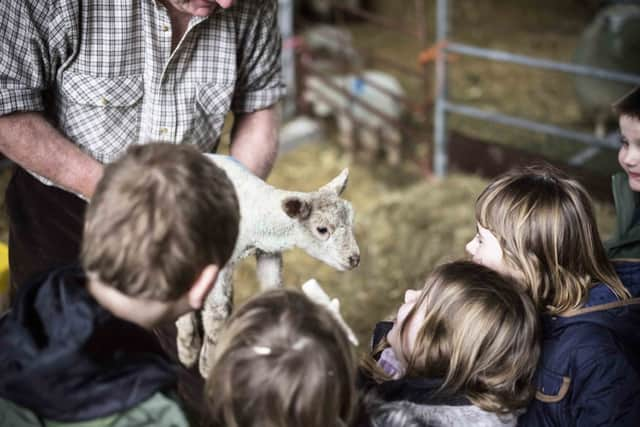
188	341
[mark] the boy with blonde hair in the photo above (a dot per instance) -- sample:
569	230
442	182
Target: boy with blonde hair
78	345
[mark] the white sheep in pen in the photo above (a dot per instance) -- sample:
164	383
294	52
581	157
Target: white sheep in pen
272	220
351	106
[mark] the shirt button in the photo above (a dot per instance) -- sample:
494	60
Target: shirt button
165	28
103	101
163	131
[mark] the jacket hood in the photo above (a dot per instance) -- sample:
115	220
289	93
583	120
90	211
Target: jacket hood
409	414
67	359
603	308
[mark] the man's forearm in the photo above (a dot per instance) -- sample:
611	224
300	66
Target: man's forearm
254	140
33	143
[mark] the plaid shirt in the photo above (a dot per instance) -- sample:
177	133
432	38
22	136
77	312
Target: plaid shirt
104	72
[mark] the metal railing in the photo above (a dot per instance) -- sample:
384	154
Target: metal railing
444	106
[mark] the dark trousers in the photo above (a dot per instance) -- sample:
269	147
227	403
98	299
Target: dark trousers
45	231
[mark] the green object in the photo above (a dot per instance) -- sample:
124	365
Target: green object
625	243
159	410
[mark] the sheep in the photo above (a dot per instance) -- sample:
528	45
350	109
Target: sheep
374	133
331	46
611	42
272	221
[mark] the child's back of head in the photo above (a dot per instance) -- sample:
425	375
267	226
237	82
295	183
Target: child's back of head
158	217
282	361
473	332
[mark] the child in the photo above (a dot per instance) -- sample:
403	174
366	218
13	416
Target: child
626	185
282	361
77	346
538	226
461	352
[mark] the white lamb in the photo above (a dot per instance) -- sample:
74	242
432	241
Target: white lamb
272	220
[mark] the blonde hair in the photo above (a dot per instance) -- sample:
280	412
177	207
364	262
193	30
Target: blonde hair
546	227
282	361
480	335
159	215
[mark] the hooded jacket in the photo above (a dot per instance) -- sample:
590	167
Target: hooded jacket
64	358
625	243
414	402
589	371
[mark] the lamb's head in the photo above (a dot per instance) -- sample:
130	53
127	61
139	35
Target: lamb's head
326	224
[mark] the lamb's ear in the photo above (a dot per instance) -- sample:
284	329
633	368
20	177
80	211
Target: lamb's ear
339	183
295	207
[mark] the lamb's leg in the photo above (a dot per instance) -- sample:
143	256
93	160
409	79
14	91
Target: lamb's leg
189	339
346	132
216	310
370	143
269	269
392	141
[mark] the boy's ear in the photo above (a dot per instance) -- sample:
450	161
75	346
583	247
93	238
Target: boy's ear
203	284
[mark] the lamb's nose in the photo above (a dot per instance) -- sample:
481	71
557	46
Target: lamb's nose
354	260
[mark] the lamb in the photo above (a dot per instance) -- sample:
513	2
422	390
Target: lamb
272	221
356	123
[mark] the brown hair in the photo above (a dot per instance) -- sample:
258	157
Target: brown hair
282	361
629	104
480	334
159	215
546	227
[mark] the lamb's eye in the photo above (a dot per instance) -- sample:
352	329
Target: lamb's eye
322	230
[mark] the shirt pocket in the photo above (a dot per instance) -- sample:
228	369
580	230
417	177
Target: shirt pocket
102	115
213	101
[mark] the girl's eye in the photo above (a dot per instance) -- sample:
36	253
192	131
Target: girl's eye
322	230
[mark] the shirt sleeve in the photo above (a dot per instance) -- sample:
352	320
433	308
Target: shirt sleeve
30	52
259	84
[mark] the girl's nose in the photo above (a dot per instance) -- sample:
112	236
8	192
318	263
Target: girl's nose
410	295
470	247
631	156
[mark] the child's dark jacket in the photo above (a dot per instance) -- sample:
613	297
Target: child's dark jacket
65	358
589	372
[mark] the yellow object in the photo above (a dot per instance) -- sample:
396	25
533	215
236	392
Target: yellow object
4	269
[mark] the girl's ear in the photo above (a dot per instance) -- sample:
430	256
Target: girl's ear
203	284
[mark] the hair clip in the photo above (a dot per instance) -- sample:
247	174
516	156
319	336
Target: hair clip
300	344
261	350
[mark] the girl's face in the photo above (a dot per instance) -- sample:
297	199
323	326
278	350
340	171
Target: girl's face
629	154
404	343
485	249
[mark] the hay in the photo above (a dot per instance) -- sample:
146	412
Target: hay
405	225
